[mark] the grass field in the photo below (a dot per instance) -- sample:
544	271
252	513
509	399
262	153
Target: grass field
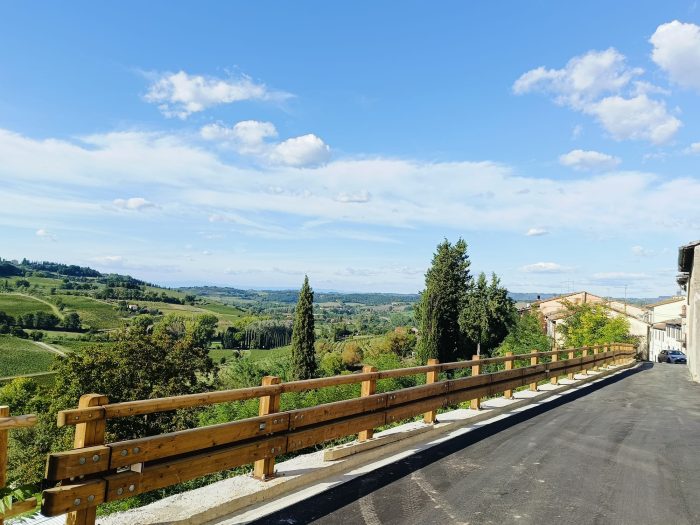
259	354
19	356
93	313
16	304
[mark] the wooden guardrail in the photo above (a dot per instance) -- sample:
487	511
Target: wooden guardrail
96	472
7	423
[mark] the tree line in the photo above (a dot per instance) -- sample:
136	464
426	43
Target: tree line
39	321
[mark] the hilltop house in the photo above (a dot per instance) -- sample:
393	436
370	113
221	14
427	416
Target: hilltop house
689	280
554	313
667	331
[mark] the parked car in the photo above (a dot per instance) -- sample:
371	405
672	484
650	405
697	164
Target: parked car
672	356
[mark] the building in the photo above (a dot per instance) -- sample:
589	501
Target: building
667	330
689	280
554	313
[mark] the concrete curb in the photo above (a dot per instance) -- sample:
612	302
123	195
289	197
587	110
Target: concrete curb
293	480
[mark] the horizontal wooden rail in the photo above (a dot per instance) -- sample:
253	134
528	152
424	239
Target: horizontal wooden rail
19	507
163	404
163	460
10	422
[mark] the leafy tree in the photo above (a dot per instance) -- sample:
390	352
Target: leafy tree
400	342
352	354
593	324
332	363
303	336
525	337
22	283
488	315
72	322
147	360
447	282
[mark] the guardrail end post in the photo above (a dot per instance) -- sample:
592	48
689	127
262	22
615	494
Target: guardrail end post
264	469
584	353
534	360
369	388
88	434
430	418
508	394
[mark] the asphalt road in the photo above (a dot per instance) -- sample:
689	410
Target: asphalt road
624	453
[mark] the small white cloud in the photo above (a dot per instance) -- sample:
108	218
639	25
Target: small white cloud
246	137
588	160
250	137
180	94
544	267
133	203
206	252
307	150
693	149
536	232
677	52
577	131
637	118
359	197
45	234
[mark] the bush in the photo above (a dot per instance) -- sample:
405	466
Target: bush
331	363
352	354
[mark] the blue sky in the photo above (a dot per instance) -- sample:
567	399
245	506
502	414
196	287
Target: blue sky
246	144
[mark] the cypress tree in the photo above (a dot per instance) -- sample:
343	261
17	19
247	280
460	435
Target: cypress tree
446	284
303	337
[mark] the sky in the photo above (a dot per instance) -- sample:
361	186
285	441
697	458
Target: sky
246	144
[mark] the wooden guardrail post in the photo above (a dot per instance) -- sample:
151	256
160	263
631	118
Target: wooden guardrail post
508	394
4	435
368	388
533	361
431	377
570	356
555	357
584	353
88	434
596	349
476	370
264	469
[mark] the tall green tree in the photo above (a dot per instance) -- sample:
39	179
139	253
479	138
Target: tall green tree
303	336
447	282
488	315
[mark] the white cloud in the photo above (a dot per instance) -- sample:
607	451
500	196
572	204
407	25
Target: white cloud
601	84
637	118
536	232
588	160
693	149
111	260
360	197
45	234
250	137
180	94
307	150
677	52
133	203
545	267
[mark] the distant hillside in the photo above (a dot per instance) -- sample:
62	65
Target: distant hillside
291	296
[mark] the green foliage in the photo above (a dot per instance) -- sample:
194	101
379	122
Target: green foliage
487	316
446	285
332	363
525	337
593	324
16	304
147	360
303	335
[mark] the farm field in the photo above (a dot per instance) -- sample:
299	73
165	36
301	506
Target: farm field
20	356
15	304
93	313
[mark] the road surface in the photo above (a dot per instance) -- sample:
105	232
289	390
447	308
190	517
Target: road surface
624	453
